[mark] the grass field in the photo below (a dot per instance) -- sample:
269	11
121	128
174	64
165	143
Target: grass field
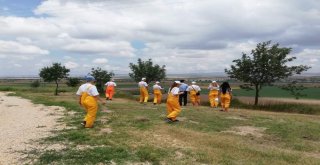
131	133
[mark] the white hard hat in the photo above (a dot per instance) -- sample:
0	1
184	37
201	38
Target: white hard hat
213	81
157	82
178	82
193	82
143	78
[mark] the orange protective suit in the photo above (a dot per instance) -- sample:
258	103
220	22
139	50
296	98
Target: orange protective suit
173	106
110	92
213	98
144	94
225	100
195	99
157	96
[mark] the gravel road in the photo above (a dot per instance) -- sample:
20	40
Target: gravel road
22	123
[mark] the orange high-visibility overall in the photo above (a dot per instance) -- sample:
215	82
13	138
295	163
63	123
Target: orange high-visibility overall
194	97
144	94
213	98
110	92
173	106
225	100
157	96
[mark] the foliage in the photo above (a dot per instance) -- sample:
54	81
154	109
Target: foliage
148	70
73	82
55	73
294	89
266	66
101	76
35	84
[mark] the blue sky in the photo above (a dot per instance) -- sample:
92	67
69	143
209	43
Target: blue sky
188	36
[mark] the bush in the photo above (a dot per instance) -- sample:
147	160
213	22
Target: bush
73	82
35	84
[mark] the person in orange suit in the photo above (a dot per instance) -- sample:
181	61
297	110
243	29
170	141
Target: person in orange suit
225	95
194	91
213	94
90	102
143	91
110	89
157	93
173	106
82	94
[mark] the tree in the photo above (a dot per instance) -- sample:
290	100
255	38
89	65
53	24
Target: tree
101	76
55	73
266	66
73	81
148	70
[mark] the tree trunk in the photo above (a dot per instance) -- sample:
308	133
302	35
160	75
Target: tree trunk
256	99
57	86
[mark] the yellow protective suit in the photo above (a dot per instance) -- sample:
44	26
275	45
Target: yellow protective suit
195	99
173	106
83	96
110	92
144	94
225	100
157	96
90	103
213	95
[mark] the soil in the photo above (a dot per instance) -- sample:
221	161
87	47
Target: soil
22	124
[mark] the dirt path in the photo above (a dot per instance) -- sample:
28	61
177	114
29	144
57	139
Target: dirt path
22	123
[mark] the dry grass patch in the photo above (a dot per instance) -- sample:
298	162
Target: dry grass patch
247	130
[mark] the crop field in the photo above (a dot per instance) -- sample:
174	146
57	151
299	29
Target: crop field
127	132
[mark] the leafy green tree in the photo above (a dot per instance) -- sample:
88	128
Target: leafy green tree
101	76
55	73
266	65
73	81
148	70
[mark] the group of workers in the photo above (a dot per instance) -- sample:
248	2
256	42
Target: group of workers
178	93
177	96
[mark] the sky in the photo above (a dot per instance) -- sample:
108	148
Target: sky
188	36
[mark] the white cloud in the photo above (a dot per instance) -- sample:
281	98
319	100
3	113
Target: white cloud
186	36
100	61
19	50
71	65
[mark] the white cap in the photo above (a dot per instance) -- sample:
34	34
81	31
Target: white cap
143	78
178	82
193	82
213	81
157	82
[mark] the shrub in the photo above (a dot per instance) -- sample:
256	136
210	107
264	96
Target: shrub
73	82
35	84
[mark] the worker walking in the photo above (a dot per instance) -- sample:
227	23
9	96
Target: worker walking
157	93
143	91
110	89
90	102
225	95
213	94
173	106
194	91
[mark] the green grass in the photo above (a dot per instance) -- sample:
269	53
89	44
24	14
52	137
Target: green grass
140	135
272	91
